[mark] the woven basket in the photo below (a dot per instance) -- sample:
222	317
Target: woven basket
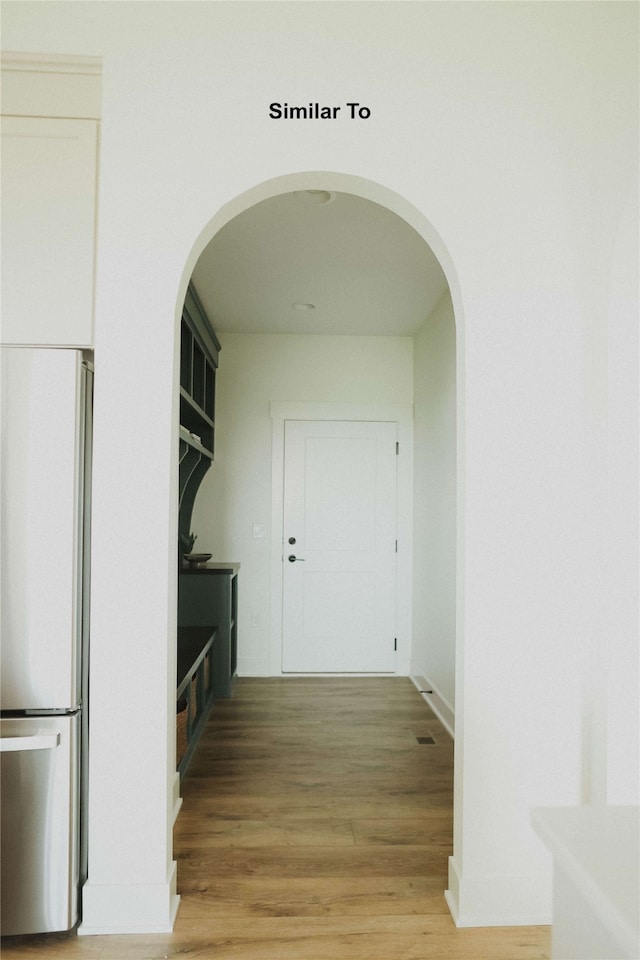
181	729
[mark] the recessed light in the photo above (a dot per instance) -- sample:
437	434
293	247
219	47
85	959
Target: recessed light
315	197
303	306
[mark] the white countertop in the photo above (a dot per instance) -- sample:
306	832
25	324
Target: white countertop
599	848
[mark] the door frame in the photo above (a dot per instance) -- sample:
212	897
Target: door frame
402	415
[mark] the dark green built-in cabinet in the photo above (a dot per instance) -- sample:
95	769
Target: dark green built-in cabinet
207	593
199	350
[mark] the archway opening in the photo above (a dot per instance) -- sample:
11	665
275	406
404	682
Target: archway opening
262	296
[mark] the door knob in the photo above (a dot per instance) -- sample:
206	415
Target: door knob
292	558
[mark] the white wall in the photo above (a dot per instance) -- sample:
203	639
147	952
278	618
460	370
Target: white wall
507	135
619	660
237	491
434	549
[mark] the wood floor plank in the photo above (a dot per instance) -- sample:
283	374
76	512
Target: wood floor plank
423	831
53	946
381	938
308	897
330	861
234	806
314	826
264	833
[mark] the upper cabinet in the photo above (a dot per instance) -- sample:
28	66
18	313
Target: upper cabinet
199	349
49	188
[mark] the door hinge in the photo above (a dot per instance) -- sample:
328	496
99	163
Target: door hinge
395	643
396	546
397	447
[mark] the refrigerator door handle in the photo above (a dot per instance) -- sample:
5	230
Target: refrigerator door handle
38	741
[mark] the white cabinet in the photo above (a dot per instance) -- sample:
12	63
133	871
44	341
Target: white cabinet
48	230
51	107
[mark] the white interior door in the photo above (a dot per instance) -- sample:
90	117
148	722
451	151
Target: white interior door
339	584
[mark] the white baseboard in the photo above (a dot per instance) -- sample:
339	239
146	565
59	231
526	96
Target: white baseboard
129	907
498	901
440	706
258	667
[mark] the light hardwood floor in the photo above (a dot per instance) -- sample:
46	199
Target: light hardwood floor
314	827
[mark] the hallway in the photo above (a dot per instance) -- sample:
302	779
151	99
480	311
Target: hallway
315	826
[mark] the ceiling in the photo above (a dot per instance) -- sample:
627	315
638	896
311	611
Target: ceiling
363	268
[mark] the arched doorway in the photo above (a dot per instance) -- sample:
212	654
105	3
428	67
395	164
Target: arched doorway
331	183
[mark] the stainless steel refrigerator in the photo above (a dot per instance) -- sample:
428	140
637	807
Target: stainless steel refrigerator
44	535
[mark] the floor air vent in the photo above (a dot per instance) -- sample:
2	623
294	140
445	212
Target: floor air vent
425	739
